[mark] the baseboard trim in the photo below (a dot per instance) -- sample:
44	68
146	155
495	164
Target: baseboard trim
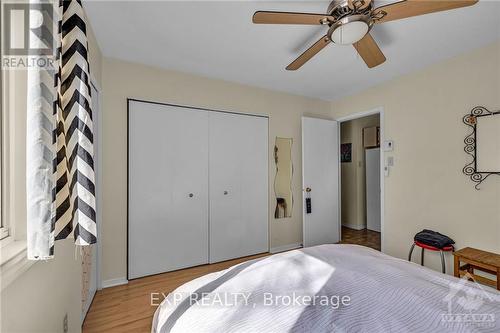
354	226
284	248
114	282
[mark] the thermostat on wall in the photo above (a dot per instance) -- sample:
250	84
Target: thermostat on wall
388	145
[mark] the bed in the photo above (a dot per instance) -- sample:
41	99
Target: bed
329	288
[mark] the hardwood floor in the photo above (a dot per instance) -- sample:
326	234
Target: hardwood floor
361	237
128	308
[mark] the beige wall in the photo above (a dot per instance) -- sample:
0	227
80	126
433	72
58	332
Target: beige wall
95	57
353	185
123	79
426	188
38	300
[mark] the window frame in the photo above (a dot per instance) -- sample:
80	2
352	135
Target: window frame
4	224
13	243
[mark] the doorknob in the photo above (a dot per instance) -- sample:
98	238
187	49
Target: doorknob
308	189
191	195
226	192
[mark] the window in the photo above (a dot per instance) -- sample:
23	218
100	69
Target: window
13	90
4	228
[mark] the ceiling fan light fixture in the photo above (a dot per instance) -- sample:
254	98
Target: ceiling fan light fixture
350	30
349	33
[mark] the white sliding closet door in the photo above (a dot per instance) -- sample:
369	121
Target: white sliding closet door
238	185
168	188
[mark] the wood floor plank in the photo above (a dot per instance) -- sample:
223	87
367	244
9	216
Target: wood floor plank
363	237
127	308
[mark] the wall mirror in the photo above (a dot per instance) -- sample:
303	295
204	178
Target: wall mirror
482	144
283	179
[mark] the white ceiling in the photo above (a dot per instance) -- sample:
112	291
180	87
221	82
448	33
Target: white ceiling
217	39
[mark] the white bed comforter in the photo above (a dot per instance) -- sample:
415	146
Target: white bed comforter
307	291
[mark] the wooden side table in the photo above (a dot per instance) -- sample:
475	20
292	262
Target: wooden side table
474	259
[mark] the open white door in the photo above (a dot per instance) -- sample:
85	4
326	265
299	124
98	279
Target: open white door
320	174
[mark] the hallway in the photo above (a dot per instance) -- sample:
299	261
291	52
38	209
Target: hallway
363	237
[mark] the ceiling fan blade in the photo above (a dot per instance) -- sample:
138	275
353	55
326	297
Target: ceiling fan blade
369	51
309	53
409	8
263	17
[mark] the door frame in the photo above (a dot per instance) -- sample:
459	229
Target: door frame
380	112
97	122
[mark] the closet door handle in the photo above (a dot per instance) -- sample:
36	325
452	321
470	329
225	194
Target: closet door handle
226	192
191	195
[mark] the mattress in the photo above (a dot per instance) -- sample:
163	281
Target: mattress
329	288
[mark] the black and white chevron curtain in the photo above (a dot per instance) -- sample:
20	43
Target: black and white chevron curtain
60	167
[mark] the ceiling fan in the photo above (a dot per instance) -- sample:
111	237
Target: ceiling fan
350	22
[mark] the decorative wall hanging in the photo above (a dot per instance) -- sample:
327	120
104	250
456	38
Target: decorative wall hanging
482	144
346	152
